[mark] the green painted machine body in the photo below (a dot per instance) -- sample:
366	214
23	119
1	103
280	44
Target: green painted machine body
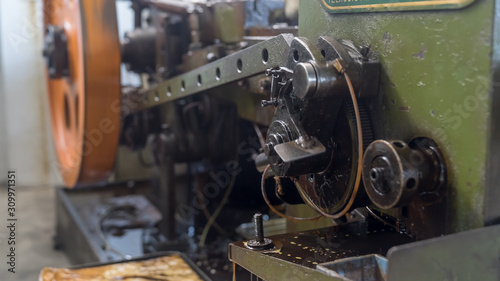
437	68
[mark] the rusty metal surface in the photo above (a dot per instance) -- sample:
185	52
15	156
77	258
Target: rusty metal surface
199	273
129	211
75	229
301	252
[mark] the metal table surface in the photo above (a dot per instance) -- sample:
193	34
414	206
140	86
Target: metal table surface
298	254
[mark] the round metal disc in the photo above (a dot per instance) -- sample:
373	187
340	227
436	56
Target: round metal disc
331	189
85	103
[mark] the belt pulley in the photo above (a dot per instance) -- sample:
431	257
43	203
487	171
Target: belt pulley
82	50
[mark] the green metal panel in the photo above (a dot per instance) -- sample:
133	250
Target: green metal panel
469	255
435	82
492	192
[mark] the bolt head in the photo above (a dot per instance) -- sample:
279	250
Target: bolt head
268	148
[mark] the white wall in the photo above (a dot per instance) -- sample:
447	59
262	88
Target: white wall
3	138
126	23
25	134
25	137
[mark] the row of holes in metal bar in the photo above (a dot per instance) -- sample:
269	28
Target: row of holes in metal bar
239	68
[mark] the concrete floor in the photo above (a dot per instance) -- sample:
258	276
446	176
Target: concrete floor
35	212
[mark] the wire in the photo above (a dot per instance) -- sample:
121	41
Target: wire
101	235
263	187
379	218
206	212
360	151
259	134
219	208
217	211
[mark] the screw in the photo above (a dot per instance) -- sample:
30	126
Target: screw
311	178
260	242
306	142
211	57
259	227
265	103
268	148
365	50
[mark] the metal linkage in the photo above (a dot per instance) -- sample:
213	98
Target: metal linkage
246	63
280	76
308	94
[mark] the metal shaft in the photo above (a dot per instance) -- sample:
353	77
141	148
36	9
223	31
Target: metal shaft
259	227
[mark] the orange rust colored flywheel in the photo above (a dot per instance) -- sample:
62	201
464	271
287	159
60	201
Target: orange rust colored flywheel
82	50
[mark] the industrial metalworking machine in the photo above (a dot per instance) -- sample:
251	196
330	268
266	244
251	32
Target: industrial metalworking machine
371	127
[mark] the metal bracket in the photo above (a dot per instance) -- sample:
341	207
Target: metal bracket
240	65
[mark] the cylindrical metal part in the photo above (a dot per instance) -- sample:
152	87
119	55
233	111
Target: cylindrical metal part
176	7
261	162
305	80
395	173
259	227
194	25
138	49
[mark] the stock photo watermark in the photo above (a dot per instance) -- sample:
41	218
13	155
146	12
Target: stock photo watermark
11	222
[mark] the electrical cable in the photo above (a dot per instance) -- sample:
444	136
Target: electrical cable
217	211
101	235
259	134
205	210
379	218
263	188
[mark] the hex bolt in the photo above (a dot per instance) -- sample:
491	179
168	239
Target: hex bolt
258	227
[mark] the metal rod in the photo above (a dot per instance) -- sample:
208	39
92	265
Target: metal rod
259	227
